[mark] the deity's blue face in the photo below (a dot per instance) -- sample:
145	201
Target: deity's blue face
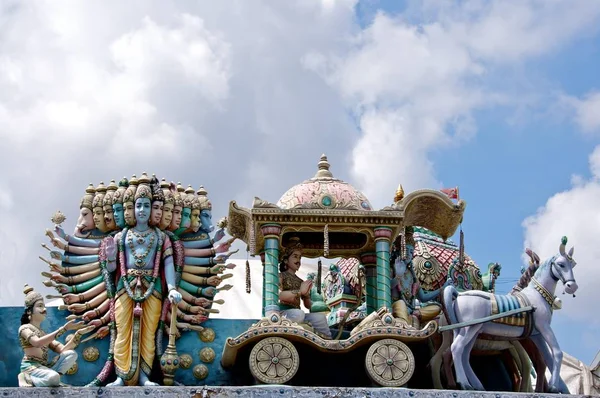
186	217
206	221
142	210
118	214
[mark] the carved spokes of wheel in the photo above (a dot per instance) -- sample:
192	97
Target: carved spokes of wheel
390	363
274	360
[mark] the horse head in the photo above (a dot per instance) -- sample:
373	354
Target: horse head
562	267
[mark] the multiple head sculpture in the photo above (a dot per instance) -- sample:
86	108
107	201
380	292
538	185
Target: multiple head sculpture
152	238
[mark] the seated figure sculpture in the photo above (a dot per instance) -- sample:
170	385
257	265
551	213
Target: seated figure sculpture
410	302
36	368
292	290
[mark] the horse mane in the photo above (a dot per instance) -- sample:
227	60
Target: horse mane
534	264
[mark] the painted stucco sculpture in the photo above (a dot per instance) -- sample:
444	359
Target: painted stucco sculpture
524	314
37	370
140	251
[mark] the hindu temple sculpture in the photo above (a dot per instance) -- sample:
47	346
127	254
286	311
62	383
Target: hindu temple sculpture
511	317
37	370
410	301
140	253
293	290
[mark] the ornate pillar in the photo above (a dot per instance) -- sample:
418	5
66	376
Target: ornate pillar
369	260
271	280
383	237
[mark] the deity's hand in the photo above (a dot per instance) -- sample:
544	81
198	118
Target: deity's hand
95	322
201	301
209	291
174	296
60	231
111	250
223	247
56	255
213	281
305	287
217	269
219	235
220	260
55	268
197	319
57	242
102	332
62	288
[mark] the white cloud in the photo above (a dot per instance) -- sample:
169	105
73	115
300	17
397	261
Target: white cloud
228	95
415	80
587	112
595	163
574	213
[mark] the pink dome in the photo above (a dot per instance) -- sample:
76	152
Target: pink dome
323	191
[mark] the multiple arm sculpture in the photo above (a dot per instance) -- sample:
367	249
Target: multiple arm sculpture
141	249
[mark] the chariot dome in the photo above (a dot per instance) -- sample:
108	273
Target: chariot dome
323	191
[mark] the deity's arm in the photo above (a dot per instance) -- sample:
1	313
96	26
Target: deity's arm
74	240
204	291
78	259
82	250
86	276
200	252
193	300
195	319
427	296
201	280
101	321
203	261
76	269
78	298
111	252
95	302
198	244
192	309
83	287
97	312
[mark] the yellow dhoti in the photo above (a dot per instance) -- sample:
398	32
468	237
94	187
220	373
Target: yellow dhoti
131	352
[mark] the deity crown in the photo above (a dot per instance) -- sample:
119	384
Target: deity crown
31	296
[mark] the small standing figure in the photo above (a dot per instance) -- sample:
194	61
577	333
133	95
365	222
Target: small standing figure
36	370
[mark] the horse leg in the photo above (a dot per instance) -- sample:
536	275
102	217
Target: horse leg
473	379
447	363
436	360
525	367
462	341
546	341
541	384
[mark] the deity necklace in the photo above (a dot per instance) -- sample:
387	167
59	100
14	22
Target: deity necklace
140	238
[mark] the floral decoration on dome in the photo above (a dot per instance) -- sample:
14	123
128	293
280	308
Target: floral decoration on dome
323	191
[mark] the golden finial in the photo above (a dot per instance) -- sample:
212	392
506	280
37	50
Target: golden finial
323	171
144	179
399	194
58	218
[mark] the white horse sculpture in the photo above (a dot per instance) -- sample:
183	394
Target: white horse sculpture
527	314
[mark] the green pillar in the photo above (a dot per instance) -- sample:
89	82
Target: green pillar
369	260
271	279
383	236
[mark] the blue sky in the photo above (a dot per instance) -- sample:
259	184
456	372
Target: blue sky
498	98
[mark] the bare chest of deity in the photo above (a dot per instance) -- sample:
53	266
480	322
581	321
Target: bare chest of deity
140	248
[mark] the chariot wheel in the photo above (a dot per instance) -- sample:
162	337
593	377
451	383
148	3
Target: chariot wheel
274	360
390	363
